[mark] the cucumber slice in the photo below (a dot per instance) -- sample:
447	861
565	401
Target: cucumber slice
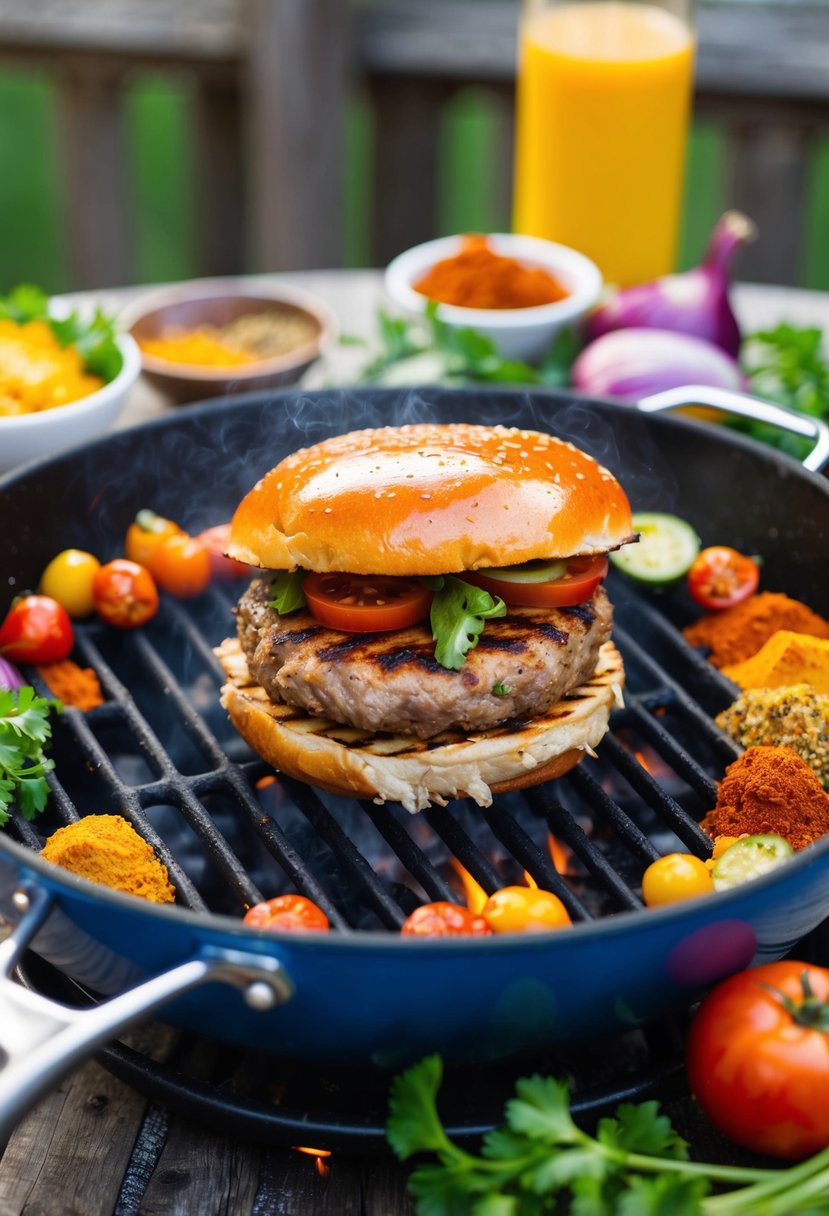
665	551
537	571
749	858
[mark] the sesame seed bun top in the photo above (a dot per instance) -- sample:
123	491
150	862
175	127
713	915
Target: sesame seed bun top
430	498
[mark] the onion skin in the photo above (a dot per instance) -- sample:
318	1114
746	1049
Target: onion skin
633	363
695	302
10	677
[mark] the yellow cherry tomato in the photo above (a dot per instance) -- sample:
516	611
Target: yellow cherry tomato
675	877
68	579
524	910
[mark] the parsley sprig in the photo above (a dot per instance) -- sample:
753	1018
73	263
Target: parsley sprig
635	1165
428	350
786	364
94	339
24	729
457	617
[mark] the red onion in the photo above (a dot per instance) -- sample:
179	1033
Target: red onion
695	302
10	677
631	363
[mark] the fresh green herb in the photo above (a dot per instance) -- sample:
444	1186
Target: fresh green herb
786	364
24	729
457	618
501	690
286	591
427	349
95	339
635	1165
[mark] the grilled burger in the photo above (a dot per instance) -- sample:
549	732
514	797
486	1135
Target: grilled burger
430	622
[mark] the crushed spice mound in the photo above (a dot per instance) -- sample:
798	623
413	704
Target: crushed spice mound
770	789
107	850
73	685
738	633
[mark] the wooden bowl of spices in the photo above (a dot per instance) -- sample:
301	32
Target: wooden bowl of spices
517	290
213	339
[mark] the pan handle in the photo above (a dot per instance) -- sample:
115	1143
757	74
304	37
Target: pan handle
41	1040
728	402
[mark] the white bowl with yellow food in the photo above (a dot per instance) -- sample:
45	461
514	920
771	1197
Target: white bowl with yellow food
217	337
50	396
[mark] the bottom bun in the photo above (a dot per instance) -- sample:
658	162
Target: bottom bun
422	772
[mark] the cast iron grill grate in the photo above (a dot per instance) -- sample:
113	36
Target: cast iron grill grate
161	752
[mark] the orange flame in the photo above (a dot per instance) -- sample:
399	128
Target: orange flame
321	1165
559	853
476	896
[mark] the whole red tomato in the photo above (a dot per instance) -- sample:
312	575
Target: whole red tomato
721	577
758	1058
287	913
444	919
37	629
124	594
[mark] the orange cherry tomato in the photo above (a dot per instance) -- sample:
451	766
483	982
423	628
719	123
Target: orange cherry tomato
721	577
287	914
37	629
675	877
181	565
524	910
124	594
442	919
145	534
366	603
757	1058
216	540
576	585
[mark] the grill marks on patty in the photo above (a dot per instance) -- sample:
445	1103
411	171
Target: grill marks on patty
391	682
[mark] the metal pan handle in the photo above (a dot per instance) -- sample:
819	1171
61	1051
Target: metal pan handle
41	1040
728	402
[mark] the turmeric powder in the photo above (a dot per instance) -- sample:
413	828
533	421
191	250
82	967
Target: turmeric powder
73	685
737	633
107	850
787	658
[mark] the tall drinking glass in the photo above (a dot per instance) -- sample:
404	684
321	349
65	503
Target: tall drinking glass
604	98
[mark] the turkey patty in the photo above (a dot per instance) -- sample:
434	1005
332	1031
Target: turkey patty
523	663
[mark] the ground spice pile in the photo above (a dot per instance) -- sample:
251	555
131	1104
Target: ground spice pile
73	685
107	850
478	277
738	633
770	789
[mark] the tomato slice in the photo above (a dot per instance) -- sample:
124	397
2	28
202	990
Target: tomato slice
721	577
577	584
366	603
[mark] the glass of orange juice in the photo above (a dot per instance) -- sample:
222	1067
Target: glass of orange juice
604	98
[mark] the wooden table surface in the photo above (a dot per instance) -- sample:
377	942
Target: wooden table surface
93	1146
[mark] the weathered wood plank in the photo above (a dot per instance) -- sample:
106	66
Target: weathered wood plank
220	187
100	248
294	79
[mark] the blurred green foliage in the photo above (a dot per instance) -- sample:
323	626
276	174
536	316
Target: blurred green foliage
161	188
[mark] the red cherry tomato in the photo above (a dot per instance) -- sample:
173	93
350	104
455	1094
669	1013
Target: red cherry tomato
443	919
124	593
216	540
758	1060
181	565
721	577
581	579
145	535
361	603
37	629
287	914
